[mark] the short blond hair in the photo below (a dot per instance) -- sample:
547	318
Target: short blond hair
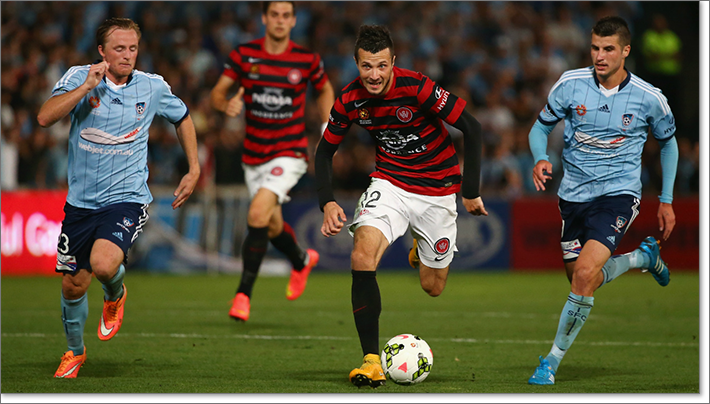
119	23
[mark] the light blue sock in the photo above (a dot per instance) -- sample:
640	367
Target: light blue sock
637	259
573	317
74	314
113	289
615	266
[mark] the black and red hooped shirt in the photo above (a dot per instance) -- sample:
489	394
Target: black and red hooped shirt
414	150
275	89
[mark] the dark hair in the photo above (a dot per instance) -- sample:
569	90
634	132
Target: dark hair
373	38
612	25
265	6
119	23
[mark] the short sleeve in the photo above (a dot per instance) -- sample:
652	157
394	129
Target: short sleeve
557	106
72	79
660	117
433	98
318	76
171	107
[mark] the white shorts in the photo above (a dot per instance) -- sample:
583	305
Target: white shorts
278	176
431	219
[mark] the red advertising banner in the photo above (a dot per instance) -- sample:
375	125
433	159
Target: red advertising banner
536	228
31	223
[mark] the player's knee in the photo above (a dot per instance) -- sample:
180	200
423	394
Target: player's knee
258	216
361	260
74	287
103	268
585	277
433	287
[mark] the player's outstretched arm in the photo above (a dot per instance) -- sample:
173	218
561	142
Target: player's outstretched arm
57	107
188	140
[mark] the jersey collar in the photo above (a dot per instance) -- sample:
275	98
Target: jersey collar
621	86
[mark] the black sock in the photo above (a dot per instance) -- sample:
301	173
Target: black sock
286	243
253	251
367	306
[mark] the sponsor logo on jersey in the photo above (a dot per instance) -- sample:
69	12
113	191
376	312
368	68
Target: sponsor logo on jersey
442	99
140	108
294	76
276	171
272	99
66	263
626	119
116	101
581	110
404	114
442	246
360	104
118	235
95	135
604	108
612	239
95	102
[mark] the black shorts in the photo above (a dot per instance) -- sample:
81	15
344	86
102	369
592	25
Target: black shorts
119	223
604	219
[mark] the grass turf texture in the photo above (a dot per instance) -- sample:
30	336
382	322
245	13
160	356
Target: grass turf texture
486	332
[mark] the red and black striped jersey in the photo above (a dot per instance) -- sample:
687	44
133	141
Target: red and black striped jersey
275	89
414	150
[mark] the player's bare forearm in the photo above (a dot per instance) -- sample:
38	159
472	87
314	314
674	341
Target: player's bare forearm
666	219
188	140
218	96
333	219
325	101
59	106
475	206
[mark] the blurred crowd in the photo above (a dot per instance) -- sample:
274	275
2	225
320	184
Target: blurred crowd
502	57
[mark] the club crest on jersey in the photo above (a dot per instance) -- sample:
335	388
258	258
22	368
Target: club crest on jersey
128	222
404	114
276	171
95	102
581	110
620	223
442	246
294	76
626	119
140	108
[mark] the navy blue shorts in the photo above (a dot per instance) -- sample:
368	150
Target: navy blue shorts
119	223
604	219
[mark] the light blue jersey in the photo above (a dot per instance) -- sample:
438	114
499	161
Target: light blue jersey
605	131
108	140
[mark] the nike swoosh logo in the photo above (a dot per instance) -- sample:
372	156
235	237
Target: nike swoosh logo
105	331
360	104
254	60
68	372
439	258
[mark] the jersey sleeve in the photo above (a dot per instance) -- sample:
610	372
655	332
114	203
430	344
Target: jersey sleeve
317	74
433	98
232	67
556	108
72	79
170	106
338	123
660	117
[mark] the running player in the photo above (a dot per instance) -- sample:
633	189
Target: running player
273	74
608	112
111	105
413	187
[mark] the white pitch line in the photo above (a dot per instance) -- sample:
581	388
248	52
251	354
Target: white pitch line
332	338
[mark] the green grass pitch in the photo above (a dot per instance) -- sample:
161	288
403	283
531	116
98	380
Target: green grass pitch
486	331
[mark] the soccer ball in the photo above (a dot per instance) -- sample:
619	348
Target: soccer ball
407	359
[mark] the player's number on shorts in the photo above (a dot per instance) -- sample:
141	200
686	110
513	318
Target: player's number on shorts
374	197
63	246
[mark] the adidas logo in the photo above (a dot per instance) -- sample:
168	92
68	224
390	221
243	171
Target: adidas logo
604	108
118	235
116	101
612	239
